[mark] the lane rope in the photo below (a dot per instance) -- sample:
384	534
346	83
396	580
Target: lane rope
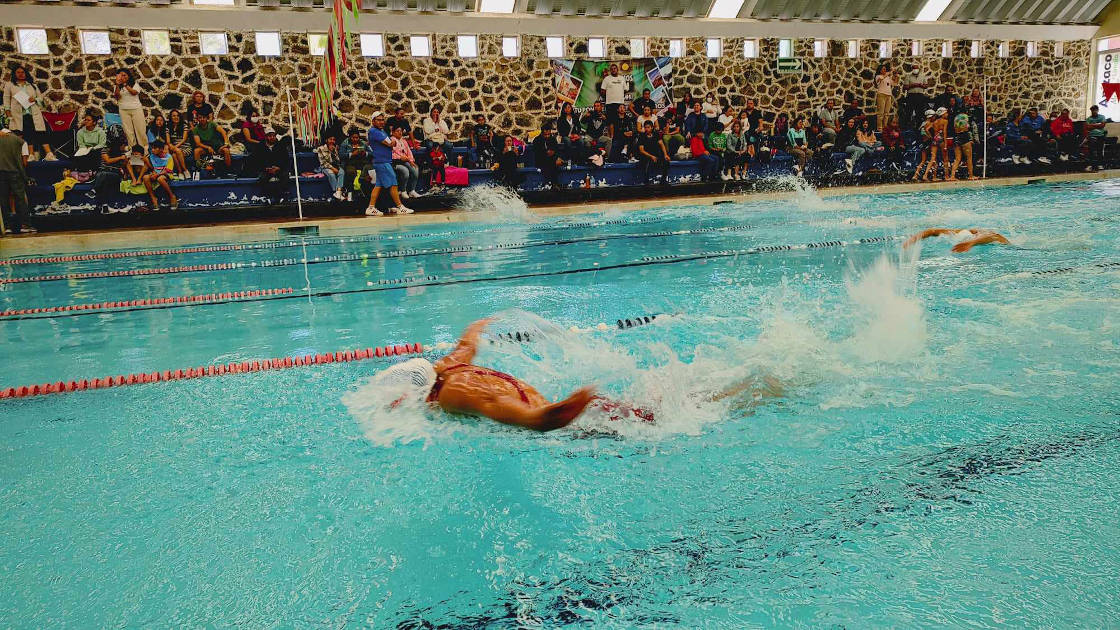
208	298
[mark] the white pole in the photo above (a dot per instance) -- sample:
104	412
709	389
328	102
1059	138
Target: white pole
295	164
984	171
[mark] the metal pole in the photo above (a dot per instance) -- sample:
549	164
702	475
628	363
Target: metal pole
984	171
295	164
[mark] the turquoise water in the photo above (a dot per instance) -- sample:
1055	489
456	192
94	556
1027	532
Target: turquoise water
945	452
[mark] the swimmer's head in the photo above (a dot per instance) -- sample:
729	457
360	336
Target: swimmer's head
411	379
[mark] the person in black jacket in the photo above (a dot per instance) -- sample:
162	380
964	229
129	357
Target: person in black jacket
275	164
570	133
623	135
597	128
549	157
505	167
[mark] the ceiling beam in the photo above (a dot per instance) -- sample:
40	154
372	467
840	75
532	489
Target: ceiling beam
950	11
1032	13
1064	16
747	10
1088	12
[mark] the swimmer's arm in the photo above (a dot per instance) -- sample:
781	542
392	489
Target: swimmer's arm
985	239
931	232
467	347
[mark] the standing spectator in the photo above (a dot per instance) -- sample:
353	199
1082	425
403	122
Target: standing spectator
974	102
623	135
384	174
161	166
275	164
330	165
709	166
399	120
108	179
672	136
915	82
506	167
1030	128
197	108
180	132
1062	130
251	134
597	127
482	143
210	141
613	90
653	156
408	173
355	154
711	109
830	121
639	104
962	146
127	96
737	157
92	141
799	145
548	156
885	82
435	132
438	160
22	100
696	122
569	133
13	181
1094	125
717	147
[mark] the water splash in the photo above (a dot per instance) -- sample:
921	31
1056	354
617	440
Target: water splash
495	203
889	319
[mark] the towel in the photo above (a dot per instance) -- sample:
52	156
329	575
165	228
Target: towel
63	187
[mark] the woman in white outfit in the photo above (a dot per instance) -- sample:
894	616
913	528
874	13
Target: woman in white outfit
127	95
22	98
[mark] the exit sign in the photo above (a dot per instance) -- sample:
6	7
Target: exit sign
789	66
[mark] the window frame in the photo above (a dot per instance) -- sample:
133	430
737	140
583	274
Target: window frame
82	41
380	44
413	38
602	50
791	44
1004	50
19	40
257	35
144	41
225	43
560	41
708	42
516	46
679	43
947	49
1058	50
852	49
820	48
886	49
644	44
1032	49
460	38
311	47
976	48
753	43
917	48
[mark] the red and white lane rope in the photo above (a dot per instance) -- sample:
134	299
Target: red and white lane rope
123	273
208	298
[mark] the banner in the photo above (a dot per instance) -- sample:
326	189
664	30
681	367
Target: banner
577	81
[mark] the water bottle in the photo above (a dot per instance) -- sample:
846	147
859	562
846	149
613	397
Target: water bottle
195	176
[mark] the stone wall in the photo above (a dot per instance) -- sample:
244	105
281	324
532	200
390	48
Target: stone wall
517	93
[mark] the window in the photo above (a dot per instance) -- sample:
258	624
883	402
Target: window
785	48
1032	49
420	45
932	10
976	49
268	43
885	49
916	48
820	47
676	47
750	49
853	48
596	47
1107	44
511	46
227	3
468	46
373	44
32	41
96	43
1005	49
637	47
1059	49
946	49
554	47
714	47
317	44
726	9
496	6
213	43
156	42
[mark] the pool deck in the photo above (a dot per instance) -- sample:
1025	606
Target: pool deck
90	240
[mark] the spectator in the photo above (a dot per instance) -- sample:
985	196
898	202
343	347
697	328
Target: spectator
275	164
251	135
1030	128
1062	129
653	156
398	120
852	110
107	182
974	102
180	133
158	129
137	167
737	158
613	90
161	166
1013	137
384	174
755	121
13	181
330	165
717	146
548	156
647	115
482	144
945	98
569	133
408	173
623	135
892	140
210	141
727	117
127	96
709	166
506	167
91	141
846	141
925	144
711	109
779	139
684	107
955	106
438	159
696	122
333	126
640	104
672	136
597	127
22	100
915	82
830	120
799	145
1094	126
435	132
197	108
355	154
962	146
885	82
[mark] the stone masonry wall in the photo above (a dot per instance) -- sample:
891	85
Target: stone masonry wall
517	93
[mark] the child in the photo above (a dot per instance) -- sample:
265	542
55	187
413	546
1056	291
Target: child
162	169
439	162
717	145
708	169
136	166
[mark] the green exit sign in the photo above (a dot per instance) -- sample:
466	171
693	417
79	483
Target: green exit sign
789	66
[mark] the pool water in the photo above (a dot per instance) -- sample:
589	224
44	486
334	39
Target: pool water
944	453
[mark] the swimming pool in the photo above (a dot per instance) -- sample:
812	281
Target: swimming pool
945	453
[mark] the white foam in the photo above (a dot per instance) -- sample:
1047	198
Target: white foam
495	203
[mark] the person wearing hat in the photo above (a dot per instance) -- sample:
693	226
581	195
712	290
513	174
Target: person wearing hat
925	142
275	163
383	174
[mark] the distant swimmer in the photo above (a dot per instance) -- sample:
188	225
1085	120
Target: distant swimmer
971	238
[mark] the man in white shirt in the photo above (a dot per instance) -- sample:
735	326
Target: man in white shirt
436	131
830	121
915	84
613	88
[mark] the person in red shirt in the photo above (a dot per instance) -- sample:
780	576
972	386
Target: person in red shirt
1062	130
708	162
891	137
439	165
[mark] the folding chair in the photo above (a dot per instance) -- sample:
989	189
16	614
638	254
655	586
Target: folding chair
61	126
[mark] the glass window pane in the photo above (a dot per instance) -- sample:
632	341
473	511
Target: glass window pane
554	46
637	47
1059	49
496	6
596	47
213	44
820	47
317	43
785	48
916	48
853	48
946	48
268	43
373	45
32	41
676	47
420	45
885	50
157	42
96	43
714	46
511	46
750	48
468	46
976	49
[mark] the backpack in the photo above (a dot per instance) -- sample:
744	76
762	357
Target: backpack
961	123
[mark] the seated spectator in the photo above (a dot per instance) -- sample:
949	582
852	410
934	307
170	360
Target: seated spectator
962	145
597	127
161	167
709	166
892	140
799	145
1068	143
647	115
330	165
1094	126
107	182
623	136
653	156
355	155
158	129
137	166
250	133
91	142
570	134
717	146
505	168
974	103
436	132
684	107
756	124
399	120
695	122
438	159
333	126
946	98
672	136
210	141
641	103
482	144
180	133
548	155
275	163
198	108
852	109
1030	128
727	117
780	133
1013	138
847	142
737	157
830	121
710	108
408	173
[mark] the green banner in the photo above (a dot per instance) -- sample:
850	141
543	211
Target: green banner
579	81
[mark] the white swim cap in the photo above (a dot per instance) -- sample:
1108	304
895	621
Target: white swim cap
414	376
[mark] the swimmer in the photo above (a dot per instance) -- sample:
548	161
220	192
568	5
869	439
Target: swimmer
973	238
